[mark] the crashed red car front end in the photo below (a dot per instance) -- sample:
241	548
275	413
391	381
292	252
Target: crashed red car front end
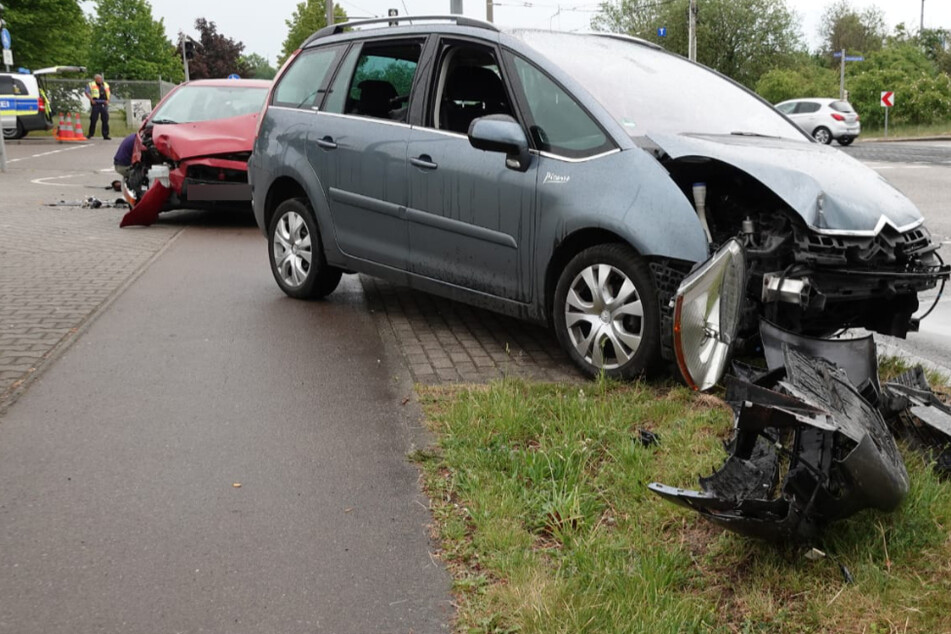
192	151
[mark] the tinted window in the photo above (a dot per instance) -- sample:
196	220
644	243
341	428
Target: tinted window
649	90
206	103
841	106
382	80
807	107
469	85
558	123
6	85
304	80
786	108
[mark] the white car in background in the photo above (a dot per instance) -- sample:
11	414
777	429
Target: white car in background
824	119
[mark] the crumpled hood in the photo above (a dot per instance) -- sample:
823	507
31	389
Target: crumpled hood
182	141
831	191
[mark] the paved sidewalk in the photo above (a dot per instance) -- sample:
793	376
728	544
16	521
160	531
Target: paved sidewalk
447	342
59	264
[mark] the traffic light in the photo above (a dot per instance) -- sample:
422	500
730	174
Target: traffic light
189	49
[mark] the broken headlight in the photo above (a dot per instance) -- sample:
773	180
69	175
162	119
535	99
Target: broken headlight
707	314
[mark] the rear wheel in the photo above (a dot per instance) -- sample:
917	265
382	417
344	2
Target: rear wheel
605	312
822	135
297	259
845	140
14	133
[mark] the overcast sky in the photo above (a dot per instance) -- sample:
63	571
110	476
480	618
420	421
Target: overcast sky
260	25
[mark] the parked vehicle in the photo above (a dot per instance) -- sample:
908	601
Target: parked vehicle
196	144
517	172
24	101
824	119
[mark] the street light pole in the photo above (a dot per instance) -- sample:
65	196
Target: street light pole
489	17
921	30
329	7
692	32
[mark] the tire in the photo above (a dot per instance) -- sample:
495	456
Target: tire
295	252
601	329
822	135
845	140
12	134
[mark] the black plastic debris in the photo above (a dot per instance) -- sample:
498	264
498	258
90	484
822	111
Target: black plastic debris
808	449
647	438
916	415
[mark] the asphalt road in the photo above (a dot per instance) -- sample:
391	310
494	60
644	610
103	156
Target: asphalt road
210	455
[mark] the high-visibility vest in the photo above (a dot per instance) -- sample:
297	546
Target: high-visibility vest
94	90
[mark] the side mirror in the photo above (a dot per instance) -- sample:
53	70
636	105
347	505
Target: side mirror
501	133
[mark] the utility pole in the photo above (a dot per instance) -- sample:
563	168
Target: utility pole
922	29
329	7
488	11
455	7
842	76
692	32
181	43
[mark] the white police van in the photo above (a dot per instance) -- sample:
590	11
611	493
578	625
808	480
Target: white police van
24	101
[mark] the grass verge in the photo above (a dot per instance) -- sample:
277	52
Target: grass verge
544	519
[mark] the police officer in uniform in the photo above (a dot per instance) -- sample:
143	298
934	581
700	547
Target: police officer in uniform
98	93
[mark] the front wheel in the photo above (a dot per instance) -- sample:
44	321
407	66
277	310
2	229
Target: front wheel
822	135
297	259
605	312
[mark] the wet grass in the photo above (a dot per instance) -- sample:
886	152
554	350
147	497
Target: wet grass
907	131
542	512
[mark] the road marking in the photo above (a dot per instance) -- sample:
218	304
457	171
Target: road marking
42	181
65	149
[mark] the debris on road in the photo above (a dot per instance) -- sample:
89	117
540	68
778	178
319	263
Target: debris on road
916	415
91	203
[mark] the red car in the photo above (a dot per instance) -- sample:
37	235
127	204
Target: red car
192	151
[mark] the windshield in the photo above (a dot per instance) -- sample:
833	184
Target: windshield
648	90
207	103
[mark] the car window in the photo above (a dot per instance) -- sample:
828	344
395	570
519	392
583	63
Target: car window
6	85
302	83
807	107
468	85
786	108
192	103
558	123
377	81
841	106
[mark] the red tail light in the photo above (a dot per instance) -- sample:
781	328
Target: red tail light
41	104
837	116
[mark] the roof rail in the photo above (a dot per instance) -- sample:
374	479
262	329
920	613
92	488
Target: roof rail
460	20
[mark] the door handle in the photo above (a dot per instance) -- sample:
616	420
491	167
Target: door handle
327	143
424	161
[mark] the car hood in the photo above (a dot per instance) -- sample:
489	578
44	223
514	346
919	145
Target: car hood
182	141
833	192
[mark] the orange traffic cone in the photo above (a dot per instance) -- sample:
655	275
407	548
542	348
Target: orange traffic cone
78	130
62	132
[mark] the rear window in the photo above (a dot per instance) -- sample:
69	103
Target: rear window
208	103
841	106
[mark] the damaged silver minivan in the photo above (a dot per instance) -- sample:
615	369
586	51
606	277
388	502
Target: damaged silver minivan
646	207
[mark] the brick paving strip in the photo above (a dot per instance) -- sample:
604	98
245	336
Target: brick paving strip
60	266
447	342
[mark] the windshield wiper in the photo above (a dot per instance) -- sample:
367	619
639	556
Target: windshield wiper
163	121
743	133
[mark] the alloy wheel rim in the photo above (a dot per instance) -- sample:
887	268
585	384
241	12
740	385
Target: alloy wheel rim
604	316
822	136
292	249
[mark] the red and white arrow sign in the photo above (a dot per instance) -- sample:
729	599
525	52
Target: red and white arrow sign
888	98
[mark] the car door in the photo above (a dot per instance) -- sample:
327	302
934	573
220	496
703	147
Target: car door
469	217
806	115
358	148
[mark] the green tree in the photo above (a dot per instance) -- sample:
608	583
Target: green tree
47	32
258	67
218	56
739	38
808	78
130	44
309	16
844	27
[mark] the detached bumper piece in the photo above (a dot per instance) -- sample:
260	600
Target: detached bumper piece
915	415
808	449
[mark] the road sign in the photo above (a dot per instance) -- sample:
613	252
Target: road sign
234	76
5	39
837	54
888	98
7	57
854	58
662	31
